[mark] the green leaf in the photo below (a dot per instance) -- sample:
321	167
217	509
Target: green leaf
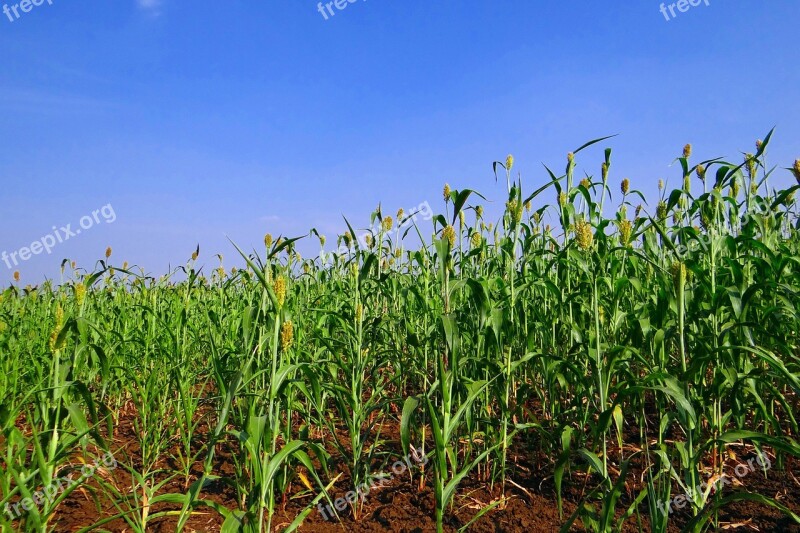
409	406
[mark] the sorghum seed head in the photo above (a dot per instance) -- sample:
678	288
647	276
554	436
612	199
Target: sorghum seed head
54	343
80	293
687	183
461	219
287	335
705	219
661	211
701	173
570	158
735	187
268	240
479	211
585	183
108	252
660	185
476	239
678	273
625	230
400	214
528	205
509	162
387	223
796	170
583	234
449	233
279	288
322	240
715	197
513	209
625	186
687	151
562	198
446	192
604	171
751	164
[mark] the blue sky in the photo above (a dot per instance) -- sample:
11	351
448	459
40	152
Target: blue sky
201	120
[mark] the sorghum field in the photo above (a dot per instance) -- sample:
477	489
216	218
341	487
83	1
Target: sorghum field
591	361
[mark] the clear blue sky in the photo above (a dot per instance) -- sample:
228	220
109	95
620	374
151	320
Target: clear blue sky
201	120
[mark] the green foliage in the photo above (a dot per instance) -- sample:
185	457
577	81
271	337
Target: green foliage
605	340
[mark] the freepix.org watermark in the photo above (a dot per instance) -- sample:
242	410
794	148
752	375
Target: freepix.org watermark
741	470
25	7
374	482
327	8
59	485
65	233
681	5
422	211
703	242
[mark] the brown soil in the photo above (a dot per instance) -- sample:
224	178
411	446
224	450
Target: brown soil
402	506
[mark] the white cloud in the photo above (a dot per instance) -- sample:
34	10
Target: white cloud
151	6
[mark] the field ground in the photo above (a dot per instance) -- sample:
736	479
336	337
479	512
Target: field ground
403	508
